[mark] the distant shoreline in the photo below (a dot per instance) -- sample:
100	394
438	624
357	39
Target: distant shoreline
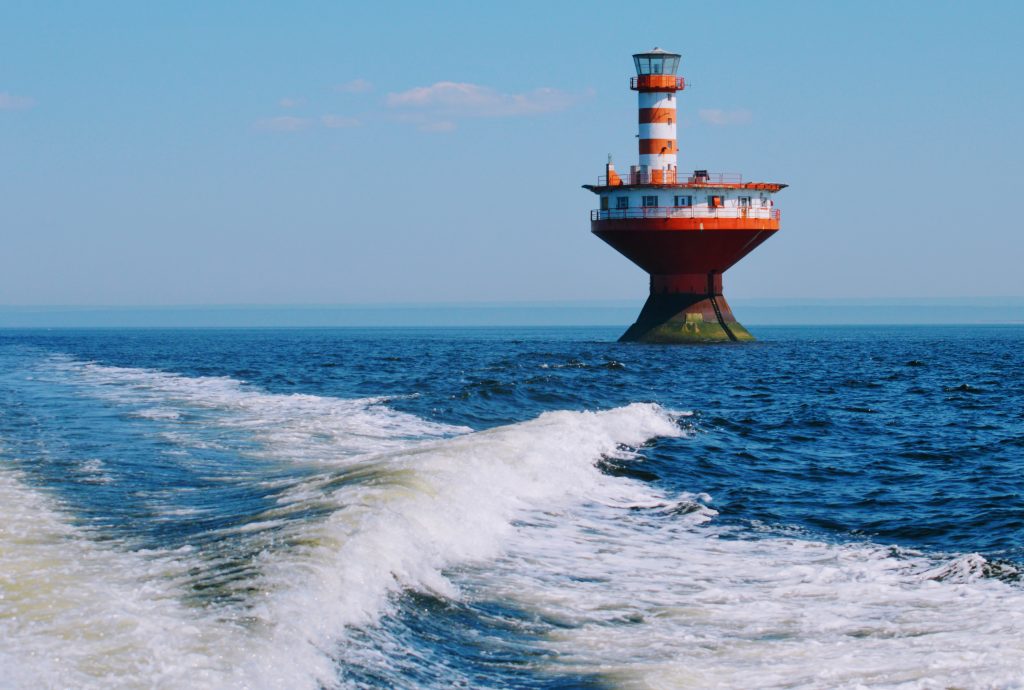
618	313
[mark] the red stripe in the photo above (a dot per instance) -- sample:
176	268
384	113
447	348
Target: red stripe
658	146
657	115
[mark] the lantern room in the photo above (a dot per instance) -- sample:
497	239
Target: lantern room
657	61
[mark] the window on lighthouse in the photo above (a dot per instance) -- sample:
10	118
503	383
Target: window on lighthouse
658	62
650	201
622	202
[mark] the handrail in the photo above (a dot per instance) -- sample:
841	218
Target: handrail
763	213
669	177
657	82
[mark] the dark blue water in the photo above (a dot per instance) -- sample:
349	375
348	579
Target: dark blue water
905	443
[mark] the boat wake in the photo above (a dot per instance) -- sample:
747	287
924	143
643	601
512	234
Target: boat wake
360	505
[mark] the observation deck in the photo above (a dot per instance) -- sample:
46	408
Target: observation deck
732	212
671	178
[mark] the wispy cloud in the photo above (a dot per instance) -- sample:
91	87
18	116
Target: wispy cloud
284	123
434	108
461	99
9	101
354	86
724	118
338	121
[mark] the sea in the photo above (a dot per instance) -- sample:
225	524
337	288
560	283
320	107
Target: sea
827	507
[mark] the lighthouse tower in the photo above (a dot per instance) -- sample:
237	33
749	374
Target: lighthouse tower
656	84
685	230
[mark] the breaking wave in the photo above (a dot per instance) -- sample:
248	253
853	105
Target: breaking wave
621	579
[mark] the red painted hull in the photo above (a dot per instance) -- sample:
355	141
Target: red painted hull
686	258
664	247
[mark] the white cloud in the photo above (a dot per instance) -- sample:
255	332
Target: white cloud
724	118
290	102
338	122
9	101
460	99
284	123
355	86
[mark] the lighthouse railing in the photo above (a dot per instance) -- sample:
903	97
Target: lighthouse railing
668	177
763	213
657	82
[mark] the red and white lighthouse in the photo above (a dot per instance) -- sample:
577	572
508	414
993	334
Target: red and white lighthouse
656	86
684	230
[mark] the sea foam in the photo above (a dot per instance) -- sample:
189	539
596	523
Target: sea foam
638	586
397	510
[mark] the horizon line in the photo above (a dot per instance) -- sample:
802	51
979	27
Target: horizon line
589	313
557	303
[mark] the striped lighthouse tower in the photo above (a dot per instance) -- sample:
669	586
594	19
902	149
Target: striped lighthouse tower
656	84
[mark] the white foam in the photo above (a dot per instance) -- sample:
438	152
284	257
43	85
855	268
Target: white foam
652	603
296	427
395	518
157	413
647	591
77	614
435	506
94	471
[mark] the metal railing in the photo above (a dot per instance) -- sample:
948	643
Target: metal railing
670	177
763	213
655	81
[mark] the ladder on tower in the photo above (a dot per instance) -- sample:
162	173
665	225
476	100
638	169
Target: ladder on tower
718	311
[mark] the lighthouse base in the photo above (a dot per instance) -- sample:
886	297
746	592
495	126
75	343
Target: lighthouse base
686	317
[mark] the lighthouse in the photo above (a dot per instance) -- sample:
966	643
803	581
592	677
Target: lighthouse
685	229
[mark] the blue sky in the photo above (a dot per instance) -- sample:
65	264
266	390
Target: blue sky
325	153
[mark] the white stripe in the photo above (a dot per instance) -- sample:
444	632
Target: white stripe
655	100
659	130
657	161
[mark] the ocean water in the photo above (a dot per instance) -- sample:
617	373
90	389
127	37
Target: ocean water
530	508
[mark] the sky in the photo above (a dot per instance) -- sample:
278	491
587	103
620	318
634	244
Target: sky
188	153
